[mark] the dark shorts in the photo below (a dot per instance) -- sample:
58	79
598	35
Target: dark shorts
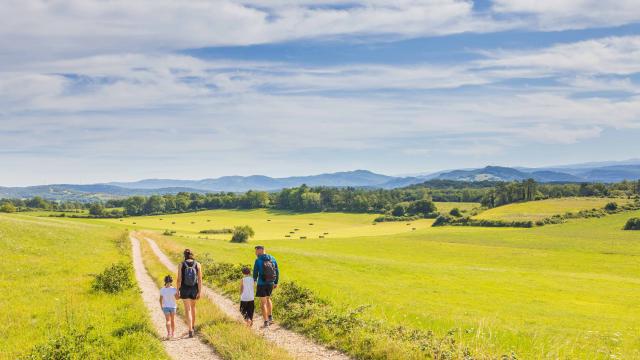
246	309
264	290
188	292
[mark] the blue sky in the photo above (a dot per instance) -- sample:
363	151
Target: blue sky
101	91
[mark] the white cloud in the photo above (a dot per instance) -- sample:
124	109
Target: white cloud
98	81
54	29
136	91
572	14
59	29
610	55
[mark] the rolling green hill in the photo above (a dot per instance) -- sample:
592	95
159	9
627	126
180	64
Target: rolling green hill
537	210
48	307
560	291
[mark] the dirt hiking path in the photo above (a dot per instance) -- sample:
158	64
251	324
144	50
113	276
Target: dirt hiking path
295	344
182	347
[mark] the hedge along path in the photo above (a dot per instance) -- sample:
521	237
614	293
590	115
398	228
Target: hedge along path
295	344
182	348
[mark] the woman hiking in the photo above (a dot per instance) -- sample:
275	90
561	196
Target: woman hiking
190	287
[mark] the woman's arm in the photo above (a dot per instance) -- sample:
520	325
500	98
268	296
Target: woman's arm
179	281
199	281
161	301
179	277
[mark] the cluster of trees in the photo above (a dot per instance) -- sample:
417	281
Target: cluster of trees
456	191
348	199
37	202
415	200
505	193
184	202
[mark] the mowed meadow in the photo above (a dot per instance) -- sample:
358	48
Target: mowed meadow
569	290
538	210
272	224
559	291
49	309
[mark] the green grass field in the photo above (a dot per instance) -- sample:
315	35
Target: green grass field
537	210
271	224
46	291
559	291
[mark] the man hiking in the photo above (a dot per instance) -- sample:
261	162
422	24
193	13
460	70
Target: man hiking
266	273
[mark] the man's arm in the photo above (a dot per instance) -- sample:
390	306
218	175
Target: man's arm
255	270
275	283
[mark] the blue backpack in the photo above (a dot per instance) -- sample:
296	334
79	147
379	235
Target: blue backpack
190	274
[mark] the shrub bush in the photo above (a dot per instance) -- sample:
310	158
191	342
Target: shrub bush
242	233
113	279
431	215
70	344
8	208
399	210
217	231
467	221
423	206
455	212
384	218
632	224
612	206
223	272
169	232
442	220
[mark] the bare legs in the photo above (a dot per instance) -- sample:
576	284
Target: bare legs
171	324
267	306
190	312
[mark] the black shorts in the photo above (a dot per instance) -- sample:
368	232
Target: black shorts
264	290
188	292
246	309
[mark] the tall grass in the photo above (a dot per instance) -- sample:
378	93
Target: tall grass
50	311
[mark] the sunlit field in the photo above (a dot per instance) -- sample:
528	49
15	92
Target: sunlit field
46	273
271	224
559	291
537	210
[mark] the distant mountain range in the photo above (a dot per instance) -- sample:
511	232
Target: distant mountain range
609	173
591	172
357	178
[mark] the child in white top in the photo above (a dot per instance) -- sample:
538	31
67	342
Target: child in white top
168	296
247	296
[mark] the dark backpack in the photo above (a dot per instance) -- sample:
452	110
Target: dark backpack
190	274
268	271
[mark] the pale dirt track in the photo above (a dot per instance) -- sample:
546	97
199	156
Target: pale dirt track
182	347
295	344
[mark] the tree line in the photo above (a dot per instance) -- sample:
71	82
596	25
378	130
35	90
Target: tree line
411	200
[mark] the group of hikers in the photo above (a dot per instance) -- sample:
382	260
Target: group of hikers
263	280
